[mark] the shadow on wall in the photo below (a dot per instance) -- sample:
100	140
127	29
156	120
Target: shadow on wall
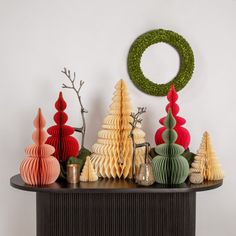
94	121
151	124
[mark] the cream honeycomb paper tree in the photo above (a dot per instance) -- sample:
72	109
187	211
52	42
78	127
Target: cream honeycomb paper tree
88	173
112	153
205	162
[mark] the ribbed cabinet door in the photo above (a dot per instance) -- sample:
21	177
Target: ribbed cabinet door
116	214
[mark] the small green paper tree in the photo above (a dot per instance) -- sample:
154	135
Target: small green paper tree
169	166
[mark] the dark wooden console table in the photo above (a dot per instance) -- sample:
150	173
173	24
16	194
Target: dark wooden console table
115	208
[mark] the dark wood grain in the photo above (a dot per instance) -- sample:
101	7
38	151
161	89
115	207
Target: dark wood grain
114	185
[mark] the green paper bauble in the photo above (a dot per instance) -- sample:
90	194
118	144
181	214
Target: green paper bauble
152	37
170	170
169	166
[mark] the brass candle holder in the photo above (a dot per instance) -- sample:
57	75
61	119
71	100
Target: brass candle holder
73	173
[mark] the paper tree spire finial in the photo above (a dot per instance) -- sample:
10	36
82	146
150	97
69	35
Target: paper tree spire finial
65	145
39	167
112	153
169	166
183	134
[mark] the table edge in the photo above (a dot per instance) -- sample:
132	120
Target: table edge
140	189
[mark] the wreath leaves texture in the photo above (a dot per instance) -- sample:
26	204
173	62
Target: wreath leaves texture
152	37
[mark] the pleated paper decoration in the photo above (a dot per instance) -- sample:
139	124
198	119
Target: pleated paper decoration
88	173
39	167
112	153
196	178
65	145
205	162
169	166
183	134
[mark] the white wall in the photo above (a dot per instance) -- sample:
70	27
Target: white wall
39	38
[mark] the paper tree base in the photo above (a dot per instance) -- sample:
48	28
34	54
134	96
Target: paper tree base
196	178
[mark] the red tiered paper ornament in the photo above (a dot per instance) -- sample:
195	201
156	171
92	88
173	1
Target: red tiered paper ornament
183	134
65	145
39	167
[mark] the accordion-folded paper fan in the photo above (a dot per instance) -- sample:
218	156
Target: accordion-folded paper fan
112	153
39	167
65	145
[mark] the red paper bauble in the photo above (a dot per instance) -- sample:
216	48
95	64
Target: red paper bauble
65	145
183	134
39	167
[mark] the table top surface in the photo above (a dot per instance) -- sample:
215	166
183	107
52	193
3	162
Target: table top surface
114	185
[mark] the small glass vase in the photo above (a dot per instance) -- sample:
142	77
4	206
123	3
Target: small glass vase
145	175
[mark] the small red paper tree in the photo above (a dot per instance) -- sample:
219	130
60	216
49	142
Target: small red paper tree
65	145
183	134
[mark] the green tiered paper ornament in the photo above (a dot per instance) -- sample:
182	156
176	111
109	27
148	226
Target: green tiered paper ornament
170	167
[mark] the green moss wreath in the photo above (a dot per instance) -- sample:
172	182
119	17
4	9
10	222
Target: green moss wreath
152	37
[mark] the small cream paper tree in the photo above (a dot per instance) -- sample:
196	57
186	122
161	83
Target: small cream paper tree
205	162
112	153
88	173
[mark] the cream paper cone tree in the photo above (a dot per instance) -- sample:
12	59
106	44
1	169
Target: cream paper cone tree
112	153
205	161
88	173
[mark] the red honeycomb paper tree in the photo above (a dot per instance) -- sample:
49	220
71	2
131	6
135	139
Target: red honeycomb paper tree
65	145
39	167
183	134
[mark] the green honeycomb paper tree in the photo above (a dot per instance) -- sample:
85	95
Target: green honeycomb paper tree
170	167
